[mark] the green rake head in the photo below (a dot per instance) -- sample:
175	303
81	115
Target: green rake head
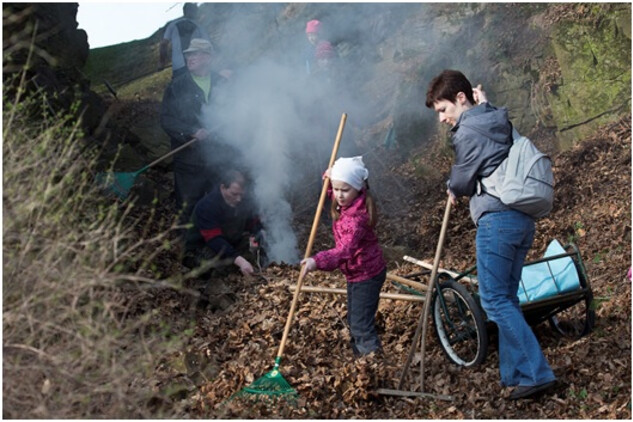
271	385
119	184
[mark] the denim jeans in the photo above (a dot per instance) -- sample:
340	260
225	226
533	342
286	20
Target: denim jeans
503	240
362	304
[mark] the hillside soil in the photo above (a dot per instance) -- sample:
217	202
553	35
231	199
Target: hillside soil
235	340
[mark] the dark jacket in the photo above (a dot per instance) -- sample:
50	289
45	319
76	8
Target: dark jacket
481	140
181	115
222	226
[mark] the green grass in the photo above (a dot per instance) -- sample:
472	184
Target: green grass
149	87
122	63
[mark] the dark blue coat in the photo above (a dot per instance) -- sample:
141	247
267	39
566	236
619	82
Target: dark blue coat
222	226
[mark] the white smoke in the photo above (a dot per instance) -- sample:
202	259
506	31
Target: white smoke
259	117
282	121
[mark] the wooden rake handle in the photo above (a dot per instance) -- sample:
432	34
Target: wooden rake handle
315	226
175	150
169	154
423	322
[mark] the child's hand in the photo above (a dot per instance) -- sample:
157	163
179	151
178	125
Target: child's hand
327	173
309	264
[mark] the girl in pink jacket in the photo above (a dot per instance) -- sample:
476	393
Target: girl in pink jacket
357	252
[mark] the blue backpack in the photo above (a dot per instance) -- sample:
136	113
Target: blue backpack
524	180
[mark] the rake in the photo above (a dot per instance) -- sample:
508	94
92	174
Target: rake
273	383
422	325
120	183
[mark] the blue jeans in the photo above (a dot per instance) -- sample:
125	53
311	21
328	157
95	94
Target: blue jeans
503	240
362	304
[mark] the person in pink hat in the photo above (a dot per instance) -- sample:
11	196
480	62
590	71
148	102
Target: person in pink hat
312	31
325	72
324	55
313	35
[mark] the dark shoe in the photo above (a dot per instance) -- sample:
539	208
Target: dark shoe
202	303
523	391
190	262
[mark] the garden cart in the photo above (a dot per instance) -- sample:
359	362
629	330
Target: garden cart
554	288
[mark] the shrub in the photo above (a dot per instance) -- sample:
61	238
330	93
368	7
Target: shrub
78	342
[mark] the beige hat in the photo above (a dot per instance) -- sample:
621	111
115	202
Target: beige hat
199	44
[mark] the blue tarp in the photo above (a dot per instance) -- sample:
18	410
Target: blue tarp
549	278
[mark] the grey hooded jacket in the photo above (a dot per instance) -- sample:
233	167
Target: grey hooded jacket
481	140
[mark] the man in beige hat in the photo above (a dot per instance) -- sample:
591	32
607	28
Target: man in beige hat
196	167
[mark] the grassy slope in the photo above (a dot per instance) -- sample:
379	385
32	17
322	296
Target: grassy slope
122	63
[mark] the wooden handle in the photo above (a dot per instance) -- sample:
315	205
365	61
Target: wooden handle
169	154
443	270
427	305
339	291
415	284
422	323
175	150
315	226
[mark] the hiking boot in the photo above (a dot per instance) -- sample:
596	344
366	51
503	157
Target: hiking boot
202	303
190	261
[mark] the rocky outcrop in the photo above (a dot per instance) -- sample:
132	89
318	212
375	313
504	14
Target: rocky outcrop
44	40
561	67
594	79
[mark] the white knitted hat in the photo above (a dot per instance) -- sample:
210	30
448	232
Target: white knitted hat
351	171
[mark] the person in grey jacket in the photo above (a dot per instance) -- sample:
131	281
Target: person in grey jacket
178	34
481	139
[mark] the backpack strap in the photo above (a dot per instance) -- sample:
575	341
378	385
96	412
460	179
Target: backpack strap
481	183
186	29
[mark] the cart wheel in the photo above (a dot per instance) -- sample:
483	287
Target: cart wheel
460	324
575	321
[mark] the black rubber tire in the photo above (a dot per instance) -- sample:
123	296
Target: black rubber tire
460	325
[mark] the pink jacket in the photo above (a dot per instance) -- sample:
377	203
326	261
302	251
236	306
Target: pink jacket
357	253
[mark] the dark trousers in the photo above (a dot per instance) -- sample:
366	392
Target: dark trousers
191	183
362	304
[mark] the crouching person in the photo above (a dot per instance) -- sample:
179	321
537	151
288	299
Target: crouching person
223	226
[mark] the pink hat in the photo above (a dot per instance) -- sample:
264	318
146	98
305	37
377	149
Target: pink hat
313	26
324	50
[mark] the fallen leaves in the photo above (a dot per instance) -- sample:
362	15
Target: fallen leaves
594	371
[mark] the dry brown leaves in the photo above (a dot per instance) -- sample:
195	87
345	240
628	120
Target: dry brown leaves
593	208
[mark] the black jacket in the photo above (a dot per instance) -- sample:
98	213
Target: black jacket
181	116
222	226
